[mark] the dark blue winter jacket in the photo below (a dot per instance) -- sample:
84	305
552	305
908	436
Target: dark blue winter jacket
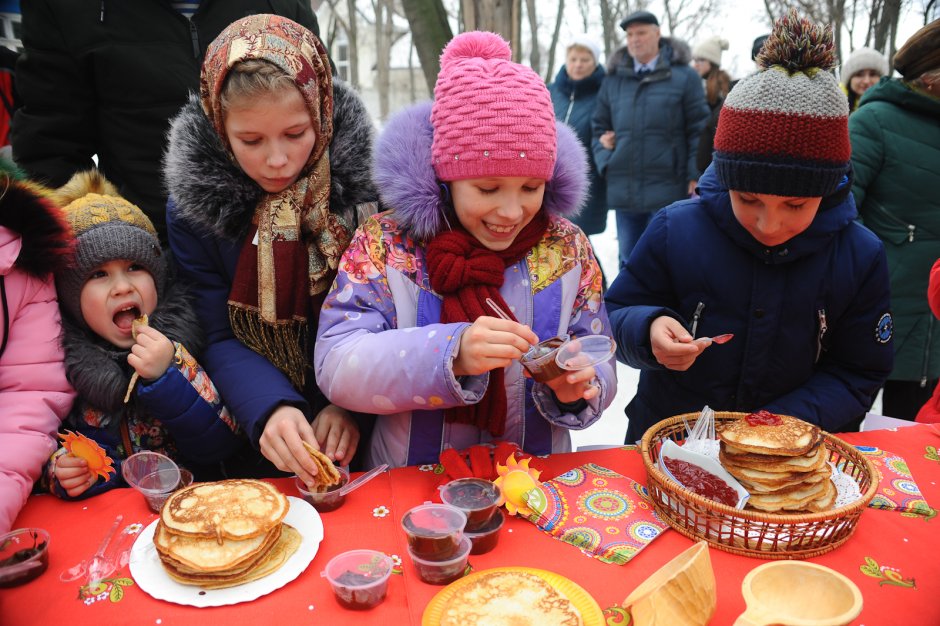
657	122
574	102
810	317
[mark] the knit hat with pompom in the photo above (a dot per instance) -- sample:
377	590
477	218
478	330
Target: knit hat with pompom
491	117
784	130
106	227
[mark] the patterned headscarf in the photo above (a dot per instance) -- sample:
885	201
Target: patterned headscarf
280	281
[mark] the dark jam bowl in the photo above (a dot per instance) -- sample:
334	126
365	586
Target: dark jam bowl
476	497
324	501
24	555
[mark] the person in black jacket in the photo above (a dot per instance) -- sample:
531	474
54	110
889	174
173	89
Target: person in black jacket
104	78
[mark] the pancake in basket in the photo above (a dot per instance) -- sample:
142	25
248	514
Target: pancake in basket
790	436
227	509
809	462
509	598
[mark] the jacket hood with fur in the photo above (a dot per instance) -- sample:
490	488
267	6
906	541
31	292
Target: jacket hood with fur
213	193
44	245
408	185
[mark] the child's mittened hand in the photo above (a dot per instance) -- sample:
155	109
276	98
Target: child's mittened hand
282	442
337	434
73	475
490	343
672	344
152	354
573	386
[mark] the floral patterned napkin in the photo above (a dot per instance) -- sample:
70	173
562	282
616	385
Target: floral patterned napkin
598	510
897	490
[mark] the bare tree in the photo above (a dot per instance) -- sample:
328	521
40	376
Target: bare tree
685	17
550	72
535	53
498	16
349	27
430	32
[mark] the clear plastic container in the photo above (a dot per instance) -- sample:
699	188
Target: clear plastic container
477	497
359	578
540	359
434	531
325	501
486	538
582	352
24	555
446	571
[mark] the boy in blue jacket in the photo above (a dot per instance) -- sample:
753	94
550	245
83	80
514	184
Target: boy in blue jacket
118	275
769	252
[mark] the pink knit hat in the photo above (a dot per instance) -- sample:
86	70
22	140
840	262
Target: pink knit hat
491	117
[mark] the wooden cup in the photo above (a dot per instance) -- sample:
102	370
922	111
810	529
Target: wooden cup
680	593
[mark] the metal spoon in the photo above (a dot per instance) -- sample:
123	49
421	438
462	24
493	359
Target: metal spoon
359	482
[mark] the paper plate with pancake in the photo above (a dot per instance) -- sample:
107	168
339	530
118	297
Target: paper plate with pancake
288	548
513	595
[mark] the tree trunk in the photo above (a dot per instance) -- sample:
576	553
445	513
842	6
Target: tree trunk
498	16
535	54
550	72
430	32
352	34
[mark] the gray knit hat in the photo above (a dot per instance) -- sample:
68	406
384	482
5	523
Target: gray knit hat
106	227
863	59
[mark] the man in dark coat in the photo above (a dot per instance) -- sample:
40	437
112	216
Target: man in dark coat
104	78
650	112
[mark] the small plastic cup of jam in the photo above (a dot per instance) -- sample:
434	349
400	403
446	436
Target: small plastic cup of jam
434	531
476	497
486	538
540	359
324	501
359	578
446	571
24	555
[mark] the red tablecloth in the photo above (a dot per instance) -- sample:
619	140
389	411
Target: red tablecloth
892	558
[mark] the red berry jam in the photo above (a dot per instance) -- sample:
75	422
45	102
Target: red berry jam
702	482
763	418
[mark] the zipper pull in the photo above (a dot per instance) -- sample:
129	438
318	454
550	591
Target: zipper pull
696	316
910	232
823	327
194	37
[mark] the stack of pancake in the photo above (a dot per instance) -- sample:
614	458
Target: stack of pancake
782	465
224	533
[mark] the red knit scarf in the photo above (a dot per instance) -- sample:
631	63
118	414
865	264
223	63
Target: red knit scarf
466	273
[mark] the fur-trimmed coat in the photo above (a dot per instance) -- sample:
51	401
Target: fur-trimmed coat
381	321
34	393
179	414
657	121
209	214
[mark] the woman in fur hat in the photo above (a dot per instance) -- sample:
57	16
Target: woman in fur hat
478	202
266	170
34	393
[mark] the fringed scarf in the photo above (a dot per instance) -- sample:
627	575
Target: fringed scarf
465	273
287	265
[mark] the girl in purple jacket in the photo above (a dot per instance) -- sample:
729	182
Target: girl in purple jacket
477	182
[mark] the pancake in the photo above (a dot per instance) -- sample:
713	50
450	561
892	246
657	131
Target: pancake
792	501
826	501
509	598
289	540
203	555
789	437
809	479
327	474
809	462
228	509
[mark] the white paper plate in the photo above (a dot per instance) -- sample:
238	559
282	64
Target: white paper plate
149	574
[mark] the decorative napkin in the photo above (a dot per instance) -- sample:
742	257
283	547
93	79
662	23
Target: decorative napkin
597	510
897	490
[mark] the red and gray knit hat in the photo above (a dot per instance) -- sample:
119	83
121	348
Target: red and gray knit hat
491	117
784	130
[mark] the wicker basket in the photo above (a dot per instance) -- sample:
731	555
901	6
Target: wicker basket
748	532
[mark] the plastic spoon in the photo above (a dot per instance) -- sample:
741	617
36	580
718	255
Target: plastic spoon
501	313
359	482
720	339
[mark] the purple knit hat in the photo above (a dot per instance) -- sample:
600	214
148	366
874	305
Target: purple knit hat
491	117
